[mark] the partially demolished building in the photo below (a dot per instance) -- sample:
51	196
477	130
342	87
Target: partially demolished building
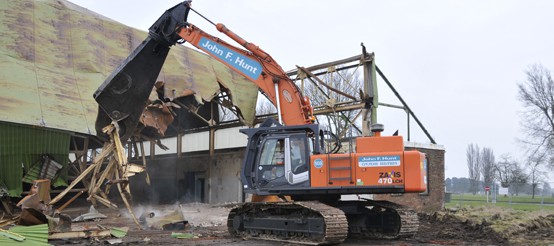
55	54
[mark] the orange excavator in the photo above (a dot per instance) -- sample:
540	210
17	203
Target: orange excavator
284	158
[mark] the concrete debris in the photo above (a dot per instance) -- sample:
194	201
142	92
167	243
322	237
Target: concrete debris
114	241
92	214
170	221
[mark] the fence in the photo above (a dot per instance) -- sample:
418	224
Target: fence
520	195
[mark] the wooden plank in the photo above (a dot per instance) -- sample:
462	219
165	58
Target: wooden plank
105	152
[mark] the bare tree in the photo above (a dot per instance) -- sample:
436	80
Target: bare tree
487	165
536	173
518	180
265	107
346	81
504	169
228	112
537	95
474	166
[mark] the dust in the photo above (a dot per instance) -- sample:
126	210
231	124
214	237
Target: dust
205	215
196	214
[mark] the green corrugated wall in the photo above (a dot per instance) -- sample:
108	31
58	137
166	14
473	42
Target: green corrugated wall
21	146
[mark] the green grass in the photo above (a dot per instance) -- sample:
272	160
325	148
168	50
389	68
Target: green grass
502	198
522	202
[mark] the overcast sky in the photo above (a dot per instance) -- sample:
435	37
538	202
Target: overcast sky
456	63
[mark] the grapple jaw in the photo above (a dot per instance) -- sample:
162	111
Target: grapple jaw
124	94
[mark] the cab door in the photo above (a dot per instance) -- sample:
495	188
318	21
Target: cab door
296	159
283	161
271	163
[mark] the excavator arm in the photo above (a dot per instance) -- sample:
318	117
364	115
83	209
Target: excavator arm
257	66
124	94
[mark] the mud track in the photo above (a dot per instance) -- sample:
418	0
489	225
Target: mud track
207	226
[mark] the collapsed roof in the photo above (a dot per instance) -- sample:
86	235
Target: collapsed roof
54	55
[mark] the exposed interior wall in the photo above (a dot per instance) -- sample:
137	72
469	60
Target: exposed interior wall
225	184
433	199
195	177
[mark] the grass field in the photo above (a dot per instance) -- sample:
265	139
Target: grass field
521	202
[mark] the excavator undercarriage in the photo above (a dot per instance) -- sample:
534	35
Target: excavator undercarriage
315	223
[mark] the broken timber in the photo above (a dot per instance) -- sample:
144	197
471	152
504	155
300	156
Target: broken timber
116	171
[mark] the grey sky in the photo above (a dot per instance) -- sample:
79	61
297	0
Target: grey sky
456	63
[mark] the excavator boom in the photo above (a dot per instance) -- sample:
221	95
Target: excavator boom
123	95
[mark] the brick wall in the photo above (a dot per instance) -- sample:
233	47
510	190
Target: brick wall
433	200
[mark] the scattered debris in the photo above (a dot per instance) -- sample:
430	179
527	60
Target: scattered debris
182	235
116	172
92	214
170	221
31	216
60	224
38	198
45	168
114	241
59	210
9	221
119	232
80	234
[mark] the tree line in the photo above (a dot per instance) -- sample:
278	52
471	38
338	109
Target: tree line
536	94
464	186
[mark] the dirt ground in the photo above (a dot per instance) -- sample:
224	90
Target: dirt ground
207	226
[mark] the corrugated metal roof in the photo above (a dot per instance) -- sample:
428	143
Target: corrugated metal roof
54	55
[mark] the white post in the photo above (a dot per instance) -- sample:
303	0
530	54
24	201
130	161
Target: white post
494	192
278	106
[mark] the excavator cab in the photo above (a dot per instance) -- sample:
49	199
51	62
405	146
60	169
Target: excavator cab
282	160
278	157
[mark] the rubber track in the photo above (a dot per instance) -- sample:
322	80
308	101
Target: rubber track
336	225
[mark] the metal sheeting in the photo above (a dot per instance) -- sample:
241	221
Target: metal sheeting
22	146
54	55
